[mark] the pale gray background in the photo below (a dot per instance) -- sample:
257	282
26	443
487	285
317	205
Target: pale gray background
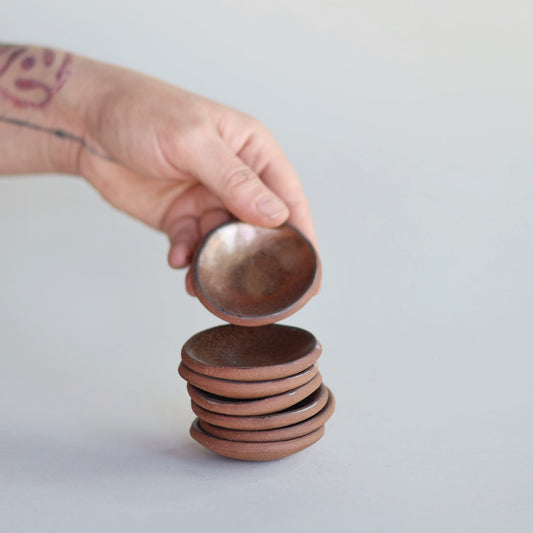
410	124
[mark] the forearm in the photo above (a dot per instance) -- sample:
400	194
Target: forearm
41	110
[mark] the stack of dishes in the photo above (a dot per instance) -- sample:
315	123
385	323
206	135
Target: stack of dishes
255	385
257	392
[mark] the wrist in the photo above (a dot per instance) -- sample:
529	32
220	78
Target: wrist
45	99
87	104
69	116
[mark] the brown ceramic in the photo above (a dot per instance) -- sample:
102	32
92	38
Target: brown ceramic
254	451
251	354
274	435
251	276
260	406
246	389
303	410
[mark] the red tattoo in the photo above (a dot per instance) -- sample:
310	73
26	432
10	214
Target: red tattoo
48	57
16	66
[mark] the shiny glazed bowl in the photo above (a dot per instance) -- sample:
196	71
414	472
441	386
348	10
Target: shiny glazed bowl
252	276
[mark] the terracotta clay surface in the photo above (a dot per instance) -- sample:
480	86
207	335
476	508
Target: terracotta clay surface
251	354
260	406
273	435
246	389
254	451
252	276
303	410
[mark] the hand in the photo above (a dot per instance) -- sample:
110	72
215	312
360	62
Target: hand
176	161
182	163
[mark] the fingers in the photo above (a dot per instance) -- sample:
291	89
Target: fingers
207	222
241	190
212	219
184	212
280	176
189	218
257	148
184	235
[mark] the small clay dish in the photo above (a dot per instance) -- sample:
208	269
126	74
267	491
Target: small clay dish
251	276
259	406
251	354
246	389
254	451
273	435
303	410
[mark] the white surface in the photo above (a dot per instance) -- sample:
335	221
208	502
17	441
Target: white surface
411	129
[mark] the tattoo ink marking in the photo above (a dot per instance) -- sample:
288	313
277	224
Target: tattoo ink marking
62	73
11	59
37	91
28	63
48	57
62	134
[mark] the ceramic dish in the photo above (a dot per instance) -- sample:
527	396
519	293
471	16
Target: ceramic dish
252	276
246	389
259	406
301	411
272	435
251	354
254	451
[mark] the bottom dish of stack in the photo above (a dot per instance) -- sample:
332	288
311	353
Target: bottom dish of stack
257	392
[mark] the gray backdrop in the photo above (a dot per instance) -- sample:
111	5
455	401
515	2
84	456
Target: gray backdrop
410	126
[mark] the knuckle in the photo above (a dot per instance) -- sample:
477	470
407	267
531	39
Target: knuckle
254	126
237	179
195	134
199	129
258	128
262	129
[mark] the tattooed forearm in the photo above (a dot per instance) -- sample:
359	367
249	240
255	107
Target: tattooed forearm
57	132
31	77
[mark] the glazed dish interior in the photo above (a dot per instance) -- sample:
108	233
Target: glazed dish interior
248	271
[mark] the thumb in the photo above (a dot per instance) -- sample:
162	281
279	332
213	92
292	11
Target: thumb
242	191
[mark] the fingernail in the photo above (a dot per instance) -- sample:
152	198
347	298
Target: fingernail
271	207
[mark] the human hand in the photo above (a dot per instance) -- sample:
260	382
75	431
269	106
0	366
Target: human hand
178	162
182	163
